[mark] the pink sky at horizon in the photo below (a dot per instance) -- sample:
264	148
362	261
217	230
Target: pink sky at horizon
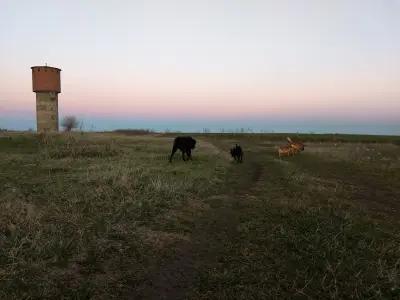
347	98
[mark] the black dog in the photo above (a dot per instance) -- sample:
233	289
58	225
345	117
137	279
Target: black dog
237	153
185	144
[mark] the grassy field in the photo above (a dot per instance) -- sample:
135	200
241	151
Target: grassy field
105	216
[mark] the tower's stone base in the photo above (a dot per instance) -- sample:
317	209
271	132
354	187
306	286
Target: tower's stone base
47	112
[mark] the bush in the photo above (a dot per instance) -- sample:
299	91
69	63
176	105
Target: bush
69	123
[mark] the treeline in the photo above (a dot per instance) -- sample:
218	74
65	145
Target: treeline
134	131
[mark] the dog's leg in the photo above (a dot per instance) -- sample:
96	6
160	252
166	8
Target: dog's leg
183	155
189	154
172	154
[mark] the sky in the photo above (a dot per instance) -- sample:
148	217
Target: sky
273	66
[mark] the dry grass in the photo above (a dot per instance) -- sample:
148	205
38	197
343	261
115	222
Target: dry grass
323	224
97	215
84	215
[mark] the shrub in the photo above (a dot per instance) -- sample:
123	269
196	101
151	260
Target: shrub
69	123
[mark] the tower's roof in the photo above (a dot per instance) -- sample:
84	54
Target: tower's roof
45	67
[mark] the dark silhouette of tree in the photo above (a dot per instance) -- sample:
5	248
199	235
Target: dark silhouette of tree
69	123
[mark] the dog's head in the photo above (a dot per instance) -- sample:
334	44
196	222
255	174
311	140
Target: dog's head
192	143
298	146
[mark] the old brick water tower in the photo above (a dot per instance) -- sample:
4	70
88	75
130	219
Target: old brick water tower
46	84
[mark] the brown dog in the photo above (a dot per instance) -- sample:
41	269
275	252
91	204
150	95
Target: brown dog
297	146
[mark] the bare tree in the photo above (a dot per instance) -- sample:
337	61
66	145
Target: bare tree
69	123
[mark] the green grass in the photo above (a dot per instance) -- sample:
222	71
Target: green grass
106	216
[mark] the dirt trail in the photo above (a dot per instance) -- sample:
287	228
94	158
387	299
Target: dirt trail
212	232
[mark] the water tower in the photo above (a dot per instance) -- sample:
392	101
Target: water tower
46	84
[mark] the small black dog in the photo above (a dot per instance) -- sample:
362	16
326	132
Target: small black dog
184	143
237	153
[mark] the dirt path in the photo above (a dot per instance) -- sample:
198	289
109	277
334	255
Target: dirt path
213	231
